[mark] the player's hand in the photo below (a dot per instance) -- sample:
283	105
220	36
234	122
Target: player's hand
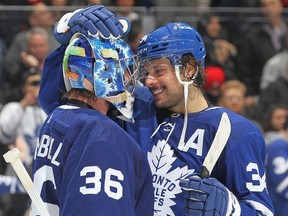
208	197
92	20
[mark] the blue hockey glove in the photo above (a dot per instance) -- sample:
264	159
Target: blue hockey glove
91	20
208	197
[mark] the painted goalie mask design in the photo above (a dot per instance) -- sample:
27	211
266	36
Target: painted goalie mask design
102	66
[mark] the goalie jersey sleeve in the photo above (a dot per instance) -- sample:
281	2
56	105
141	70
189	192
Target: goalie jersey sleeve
85	164
52	82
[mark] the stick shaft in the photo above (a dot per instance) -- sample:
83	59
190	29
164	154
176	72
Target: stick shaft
26	181
221	137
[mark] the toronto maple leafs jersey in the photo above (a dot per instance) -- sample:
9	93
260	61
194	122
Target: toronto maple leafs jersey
240	167
277	175
85	164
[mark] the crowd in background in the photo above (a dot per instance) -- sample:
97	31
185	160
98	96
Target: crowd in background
246	62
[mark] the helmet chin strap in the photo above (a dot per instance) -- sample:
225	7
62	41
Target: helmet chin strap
186	85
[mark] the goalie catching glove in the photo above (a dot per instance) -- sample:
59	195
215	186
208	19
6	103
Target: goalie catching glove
93	20
208	197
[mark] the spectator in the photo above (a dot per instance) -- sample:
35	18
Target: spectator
20	122
220	52
42	18
275	122
263	41
223	55
23	118
32	57
276	66
275	93
233	95
215	77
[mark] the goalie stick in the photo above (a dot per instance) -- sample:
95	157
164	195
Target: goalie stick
217	146
13	157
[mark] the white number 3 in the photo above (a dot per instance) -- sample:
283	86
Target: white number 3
259	183
112	188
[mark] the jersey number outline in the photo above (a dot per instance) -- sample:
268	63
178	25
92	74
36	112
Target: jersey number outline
116	194
252	186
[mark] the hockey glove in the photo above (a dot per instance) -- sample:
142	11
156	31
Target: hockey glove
91	20
208	197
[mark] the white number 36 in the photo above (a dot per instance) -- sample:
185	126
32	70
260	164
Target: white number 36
112	188
92	175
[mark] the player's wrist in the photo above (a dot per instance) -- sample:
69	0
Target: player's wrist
62	26
62	32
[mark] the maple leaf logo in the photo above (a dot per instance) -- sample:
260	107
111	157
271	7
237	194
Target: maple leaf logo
165	180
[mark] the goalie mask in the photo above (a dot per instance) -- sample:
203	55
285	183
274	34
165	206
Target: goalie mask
102	66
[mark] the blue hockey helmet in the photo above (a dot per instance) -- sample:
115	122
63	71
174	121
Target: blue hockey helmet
102	66
172	40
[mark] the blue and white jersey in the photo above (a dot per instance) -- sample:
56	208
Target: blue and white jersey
277	175
10	185
240	168
85	164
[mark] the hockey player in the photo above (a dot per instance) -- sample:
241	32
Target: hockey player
277	173
84	163
172	62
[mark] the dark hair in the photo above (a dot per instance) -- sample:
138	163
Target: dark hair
201	77
30	72
135	30
80	92
267	118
